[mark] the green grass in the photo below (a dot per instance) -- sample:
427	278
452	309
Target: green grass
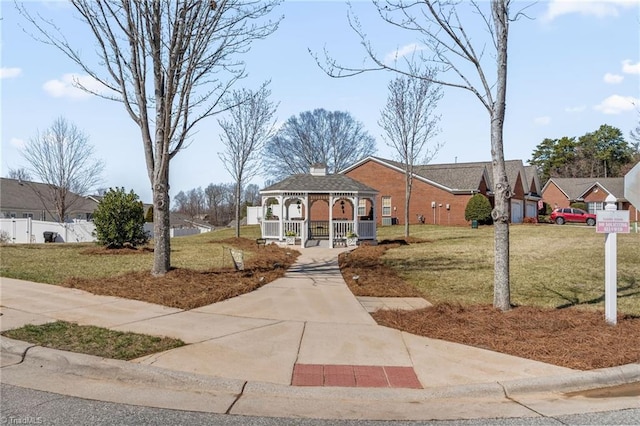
92	340
550	266
53	263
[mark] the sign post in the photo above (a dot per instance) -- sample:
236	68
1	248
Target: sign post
611	221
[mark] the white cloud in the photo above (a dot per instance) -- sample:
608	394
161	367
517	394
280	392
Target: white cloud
67	86
10	72
629	68
575	109
408	49
542	121
597	8
616	104
18	143
613	78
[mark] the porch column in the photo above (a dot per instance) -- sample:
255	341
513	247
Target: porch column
281	217
356	218
331	200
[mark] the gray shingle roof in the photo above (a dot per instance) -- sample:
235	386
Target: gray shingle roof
464	176
576	187
319	184
21	195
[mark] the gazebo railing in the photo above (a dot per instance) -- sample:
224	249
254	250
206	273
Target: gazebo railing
341	228
367	230
270	229
295	226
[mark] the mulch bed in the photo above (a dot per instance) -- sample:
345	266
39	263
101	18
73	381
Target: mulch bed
189	289
373	277
572	338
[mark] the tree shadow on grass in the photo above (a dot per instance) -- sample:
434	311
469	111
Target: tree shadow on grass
574	300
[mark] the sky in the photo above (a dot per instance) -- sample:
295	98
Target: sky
573	66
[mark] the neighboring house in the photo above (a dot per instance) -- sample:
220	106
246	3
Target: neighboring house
23	199
440	192
561	192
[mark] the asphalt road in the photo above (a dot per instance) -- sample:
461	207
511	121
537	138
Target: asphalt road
20	406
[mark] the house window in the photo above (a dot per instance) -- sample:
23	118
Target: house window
27	215
594	206
386	206
362	206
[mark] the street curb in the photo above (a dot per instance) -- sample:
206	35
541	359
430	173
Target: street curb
94	367
88	366
578	381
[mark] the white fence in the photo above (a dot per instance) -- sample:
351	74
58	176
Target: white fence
25	231
28	231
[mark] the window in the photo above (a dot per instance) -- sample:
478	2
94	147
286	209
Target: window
362	206
27	215
594	206
386	206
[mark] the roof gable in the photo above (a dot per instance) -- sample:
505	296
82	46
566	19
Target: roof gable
319	184
576	188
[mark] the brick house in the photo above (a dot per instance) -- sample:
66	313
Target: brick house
441	192
561	192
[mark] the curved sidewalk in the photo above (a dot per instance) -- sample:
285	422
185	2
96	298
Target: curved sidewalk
302	345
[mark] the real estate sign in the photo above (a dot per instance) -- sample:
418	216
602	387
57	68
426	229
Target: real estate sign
612	221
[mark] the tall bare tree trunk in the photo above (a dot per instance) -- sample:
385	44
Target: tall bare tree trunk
161	223
237	212
407	200
502	190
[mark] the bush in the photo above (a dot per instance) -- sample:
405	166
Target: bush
149	217
579	205
478	208
119	220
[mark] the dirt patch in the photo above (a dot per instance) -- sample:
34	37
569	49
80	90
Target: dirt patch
189	289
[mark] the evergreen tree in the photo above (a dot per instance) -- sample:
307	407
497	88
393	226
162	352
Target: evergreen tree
119	220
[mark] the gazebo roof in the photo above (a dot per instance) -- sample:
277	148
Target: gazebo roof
319	184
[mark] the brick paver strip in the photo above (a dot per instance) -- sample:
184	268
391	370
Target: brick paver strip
402	377
354	375
307	375
339	375
370	377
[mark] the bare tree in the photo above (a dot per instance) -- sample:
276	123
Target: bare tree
409	122
458	54
170	63
19	174
319	136
250	125
63	158
252	195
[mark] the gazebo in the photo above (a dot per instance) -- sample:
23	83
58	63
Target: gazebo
310	209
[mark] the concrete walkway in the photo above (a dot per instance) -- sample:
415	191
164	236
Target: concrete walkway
295	336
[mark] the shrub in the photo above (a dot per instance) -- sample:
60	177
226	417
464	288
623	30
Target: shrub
579	205
530	220
149	217
478	208
119	220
